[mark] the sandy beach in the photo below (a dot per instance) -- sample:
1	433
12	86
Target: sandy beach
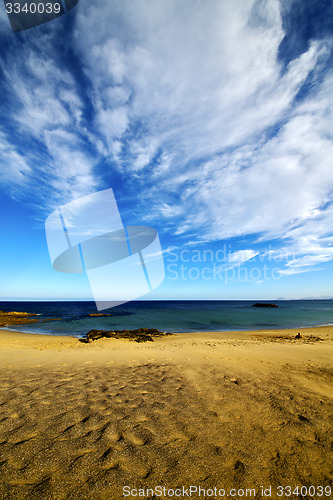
234	410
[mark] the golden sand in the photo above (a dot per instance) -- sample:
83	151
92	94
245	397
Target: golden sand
225	410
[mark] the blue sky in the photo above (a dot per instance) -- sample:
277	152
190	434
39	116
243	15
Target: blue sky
211	121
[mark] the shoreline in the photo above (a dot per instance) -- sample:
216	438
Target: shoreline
248	331
27	348
195	333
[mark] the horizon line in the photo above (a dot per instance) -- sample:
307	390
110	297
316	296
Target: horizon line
165	300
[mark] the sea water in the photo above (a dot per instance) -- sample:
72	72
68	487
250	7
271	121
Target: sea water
173	316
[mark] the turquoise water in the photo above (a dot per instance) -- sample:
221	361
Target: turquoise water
173	316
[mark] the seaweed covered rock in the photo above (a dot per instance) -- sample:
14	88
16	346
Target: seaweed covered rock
16	318
139	335
95	315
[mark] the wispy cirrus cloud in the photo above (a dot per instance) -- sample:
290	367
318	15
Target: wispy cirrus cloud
44	112
211	103
15	165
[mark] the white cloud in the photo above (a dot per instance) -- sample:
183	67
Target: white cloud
207	99
199	89
37	82
194	89
112	122
237	258
15	167
242	255
73	168
270	188
46	110
142	152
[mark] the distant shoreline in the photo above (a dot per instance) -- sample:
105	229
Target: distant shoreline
206	332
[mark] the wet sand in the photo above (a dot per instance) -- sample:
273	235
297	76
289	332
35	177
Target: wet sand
225	410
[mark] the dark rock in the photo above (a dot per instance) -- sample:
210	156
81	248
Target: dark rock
16	314
139	335
93	315
50	319
114	313
298	336
16	318
263	304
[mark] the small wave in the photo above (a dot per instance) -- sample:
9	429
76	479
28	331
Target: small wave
40	332
266	324
120	313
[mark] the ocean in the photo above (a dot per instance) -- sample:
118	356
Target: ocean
173	316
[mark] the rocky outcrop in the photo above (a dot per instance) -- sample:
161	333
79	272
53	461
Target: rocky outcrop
16	318
263	304
139	335
99	315
114	313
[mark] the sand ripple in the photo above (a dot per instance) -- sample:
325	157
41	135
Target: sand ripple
84	433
